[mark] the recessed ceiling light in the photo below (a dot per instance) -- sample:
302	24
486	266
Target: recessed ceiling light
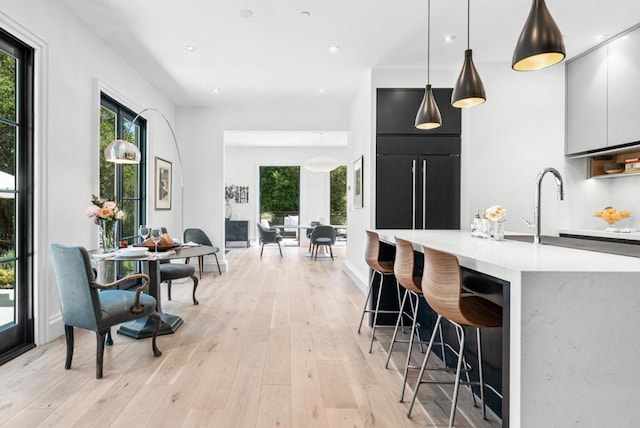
246	13
449	38
334	49
323	90
599	37
190	48
216	90
305	13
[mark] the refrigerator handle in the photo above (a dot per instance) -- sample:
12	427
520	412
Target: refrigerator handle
413	195
424	193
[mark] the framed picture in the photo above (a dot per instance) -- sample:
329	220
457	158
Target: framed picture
162	194
357	183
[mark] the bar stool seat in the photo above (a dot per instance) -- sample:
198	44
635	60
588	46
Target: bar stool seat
442	289
382	268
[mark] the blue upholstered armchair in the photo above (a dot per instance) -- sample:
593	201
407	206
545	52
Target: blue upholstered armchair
96	307
269	236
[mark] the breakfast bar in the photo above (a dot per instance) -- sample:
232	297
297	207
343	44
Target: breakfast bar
572	326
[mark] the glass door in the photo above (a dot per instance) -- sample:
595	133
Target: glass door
16	197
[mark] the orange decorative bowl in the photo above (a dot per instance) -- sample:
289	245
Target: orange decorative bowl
611	215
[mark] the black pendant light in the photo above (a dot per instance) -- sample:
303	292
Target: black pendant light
541	43
469	90
428	116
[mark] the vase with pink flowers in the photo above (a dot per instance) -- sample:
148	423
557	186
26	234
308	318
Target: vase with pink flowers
106	215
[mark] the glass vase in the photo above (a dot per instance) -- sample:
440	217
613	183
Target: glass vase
497	230
108	236
227	211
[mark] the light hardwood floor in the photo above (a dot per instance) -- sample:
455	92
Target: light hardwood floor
273	343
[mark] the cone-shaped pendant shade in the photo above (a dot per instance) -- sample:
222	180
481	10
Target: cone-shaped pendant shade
469	90
428	116
541	43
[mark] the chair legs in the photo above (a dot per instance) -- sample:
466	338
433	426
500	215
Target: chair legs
461	366
218	263
261	250
315	249
100	338
377	309
68	332
195	285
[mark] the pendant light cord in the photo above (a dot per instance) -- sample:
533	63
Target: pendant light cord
468	21
428	40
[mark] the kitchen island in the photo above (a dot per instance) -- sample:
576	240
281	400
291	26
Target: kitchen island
573	327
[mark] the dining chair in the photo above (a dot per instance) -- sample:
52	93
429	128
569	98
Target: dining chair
322	236
269	236
90	305
199	237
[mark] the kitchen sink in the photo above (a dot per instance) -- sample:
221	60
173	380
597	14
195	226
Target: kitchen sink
628	248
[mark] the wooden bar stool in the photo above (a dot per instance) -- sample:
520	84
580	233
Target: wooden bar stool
442	288
382	268
404	270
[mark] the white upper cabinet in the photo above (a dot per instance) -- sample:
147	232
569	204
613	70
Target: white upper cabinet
624	89
587	102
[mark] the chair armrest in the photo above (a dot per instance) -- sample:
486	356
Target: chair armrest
269	235
136	309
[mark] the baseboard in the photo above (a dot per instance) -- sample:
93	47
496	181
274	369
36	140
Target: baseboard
358	280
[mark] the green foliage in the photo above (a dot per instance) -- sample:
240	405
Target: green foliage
7	270
338	179
108	172
7	279
279	188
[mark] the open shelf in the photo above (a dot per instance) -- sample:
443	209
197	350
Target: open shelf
596	164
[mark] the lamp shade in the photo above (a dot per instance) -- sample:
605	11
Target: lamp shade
321	164
469	90
428	116
541	43
121	151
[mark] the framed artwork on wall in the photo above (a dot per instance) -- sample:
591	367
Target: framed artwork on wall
162	194
357	183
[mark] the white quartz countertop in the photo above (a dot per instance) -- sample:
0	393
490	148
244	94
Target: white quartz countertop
494	257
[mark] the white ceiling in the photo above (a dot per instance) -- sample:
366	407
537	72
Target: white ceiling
285	139
278	55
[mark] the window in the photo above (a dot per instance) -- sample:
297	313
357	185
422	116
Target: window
16	197
124	184
338	178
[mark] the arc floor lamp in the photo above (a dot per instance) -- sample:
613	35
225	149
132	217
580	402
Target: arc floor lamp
124	152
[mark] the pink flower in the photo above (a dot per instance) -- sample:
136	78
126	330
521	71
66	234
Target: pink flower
92	211
109	204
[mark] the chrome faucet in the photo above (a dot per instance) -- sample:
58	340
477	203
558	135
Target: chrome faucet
536	206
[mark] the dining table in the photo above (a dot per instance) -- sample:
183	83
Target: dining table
144	327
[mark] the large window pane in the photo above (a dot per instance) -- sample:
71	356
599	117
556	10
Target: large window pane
7	87
7	290
107	169
7	226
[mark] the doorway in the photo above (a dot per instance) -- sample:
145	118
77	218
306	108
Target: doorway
280	198
16	197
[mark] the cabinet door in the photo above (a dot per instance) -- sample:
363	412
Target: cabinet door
396	110
394	191
624	89
587	102
442	192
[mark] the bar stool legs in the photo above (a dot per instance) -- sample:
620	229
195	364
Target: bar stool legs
459	368
377	309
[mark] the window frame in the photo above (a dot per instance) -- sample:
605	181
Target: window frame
123	114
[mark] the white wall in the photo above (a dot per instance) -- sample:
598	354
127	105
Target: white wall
243	168
202	130
72	64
